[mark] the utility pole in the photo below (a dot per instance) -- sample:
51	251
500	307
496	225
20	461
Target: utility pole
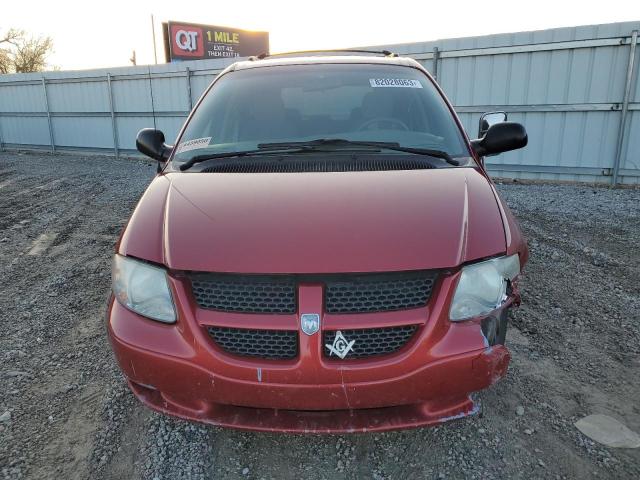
153	32
133	58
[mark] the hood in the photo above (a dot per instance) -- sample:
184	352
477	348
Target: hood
316	222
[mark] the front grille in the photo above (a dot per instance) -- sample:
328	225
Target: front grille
265	344
245	293
379	293
344	293
370	342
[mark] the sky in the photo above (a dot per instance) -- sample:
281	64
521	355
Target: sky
91	34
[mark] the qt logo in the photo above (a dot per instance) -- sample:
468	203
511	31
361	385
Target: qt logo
187	41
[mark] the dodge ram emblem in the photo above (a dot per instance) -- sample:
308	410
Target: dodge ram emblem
310	323
341	347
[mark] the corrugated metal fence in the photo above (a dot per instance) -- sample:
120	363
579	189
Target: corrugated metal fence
575	89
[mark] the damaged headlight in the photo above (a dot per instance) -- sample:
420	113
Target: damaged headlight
483	287
143	288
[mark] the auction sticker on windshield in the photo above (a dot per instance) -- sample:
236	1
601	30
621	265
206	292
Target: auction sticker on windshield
194	144
395	82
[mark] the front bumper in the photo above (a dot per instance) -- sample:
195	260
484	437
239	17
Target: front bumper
176	369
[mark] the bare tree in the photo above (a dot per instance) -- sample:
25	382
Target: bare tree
13	37
21	54
5	61
7	41
31	55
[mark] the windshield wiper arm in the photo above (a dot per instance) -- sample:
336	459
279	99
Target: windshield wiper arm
242	153
429	152
320	142
311	145
384	145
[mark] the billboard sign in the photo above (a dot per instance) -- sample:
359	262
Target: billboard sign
191	41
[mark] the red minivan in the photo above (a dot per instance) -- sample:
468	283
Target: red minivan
321	251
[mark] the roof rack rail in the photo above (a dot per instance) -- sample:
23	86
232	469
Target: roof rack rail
347	51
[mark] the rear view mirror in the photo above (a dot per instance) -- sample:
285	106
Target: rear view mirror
500	137
488	119
150	142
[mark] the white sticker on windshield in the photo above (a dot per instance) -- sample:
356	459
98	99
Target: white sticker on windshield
395	82
194	144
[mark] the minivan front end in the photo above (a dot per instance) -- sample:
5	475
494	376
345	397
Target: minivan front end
271	281
406	367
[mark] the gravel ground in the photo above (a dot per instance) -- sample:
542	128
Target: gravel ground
65	411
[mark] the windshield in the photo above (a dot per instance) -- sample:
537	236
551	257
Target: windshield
356	102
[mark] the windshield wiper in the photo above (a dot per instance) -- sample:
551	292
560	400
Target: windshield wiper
243	153
339	142
315	145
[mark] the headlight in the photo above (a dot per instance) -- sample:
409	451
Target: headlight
143	288
482	287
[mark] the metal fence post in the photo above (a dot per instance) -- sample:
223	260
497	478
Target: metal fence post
189	97
46	104
114	129
625	108
153	106
1	142
436	57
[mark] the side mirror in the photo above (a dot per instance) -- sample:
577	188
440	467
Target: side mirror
501	137
488	119
150	142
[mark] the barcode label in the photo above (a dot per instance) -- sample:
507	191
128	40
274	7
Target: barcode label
395	82
194	144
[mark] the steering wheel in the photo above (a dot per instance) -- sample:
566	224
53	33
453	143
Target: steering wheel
393	121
